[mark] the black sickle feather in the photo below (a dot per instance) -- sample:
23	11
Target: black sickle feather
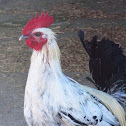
81	36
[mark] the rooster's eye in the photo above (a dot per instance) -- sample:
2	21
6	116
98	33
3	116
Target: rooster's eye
37	34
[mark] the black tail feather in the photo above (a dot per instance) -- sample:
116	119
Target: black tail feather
106	59
107	65
81	36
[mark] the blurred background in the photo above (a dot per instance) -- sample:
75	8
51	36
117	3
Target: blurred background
105	18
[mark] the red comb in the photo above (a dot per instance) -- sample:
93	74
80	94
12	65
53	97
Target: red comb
43	21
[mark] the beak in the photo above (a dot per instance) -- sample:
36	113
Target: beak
22	38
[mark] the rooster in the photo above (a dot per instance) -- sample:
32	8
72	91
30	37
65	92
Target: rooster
107	65
52	98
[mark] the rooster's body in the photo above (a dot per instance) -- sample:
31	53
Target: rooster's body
51	98
107	65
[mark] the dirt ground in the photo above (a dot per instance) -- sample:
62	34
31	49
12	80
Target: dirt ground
96	17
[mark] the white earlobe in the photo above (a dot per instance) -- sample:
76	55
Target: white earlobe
44	36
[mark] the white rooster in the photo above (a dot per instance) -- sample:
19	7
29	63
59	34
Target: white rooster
53	99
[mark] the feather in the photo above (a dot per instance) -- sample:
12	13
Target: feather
103	55
110	103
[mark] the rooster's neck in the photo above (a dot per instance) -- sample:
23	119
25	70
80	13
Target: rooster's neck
45	67
48	56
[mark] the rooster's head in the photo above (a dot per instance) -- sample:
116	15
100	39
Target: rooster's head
35	32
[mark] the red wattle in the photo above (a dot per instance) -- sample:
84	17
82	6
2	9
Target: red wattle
34	44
